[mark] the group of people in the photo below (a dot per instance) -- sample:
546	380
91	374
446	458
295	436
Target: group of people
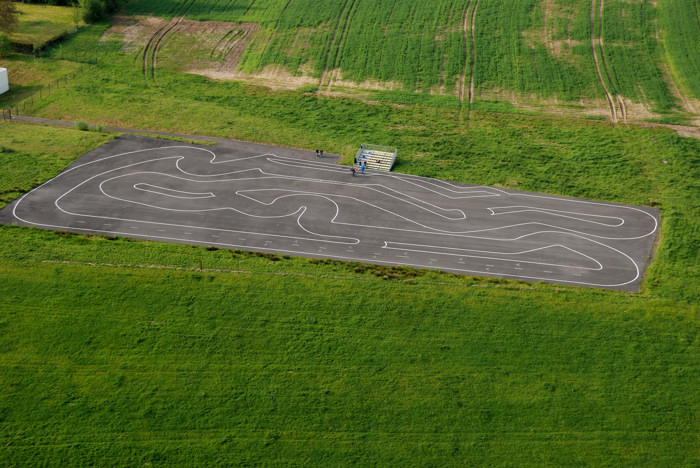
319	153
354	171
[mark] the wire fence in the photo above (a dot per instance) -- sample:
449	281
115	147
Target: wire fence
8	112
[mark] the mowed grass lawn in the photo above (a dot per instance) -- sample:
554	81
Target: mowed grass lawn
39	24
122	352
578	158
129	366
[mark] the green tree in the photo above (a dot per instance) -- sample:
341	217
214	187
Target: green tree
111	6
8	15
93	10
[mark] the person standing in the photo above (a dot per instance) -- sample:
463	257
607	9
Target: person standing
321	153
317	153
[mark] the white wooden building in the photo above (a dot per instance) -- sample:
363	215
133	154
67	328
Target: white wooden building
4	84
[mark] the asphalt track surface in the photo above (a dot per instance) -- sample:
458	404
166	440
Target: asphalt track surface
270	199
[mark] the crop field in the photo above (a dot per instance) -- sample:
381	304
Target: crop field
565	50
679	22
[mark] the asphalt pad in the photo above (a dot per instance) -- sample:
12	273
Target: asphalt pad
270	199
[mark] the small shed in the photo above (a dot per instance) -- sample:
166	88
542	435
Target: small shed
4	83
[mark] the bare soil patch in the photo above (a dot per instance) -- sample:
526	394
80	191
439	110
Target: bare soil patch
275	77
191	43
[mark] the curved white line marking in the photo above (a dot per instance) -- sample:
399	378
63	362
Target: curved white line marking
441	188
167	192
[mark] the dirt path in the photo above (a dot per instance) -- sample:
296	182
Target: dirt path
608	96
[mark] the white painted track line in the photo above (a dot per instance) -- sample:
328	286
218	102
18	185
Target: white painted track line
139	187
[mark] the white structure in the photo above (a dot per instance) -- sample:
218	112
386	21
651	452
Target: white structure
4	84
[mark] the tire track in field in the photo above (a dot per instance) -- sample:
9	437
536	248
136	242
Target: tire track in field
156	47
468	24
146	50
272	32
608	96
152	48
330	47
381	51
216	47
247	10
343	34
618	97
473	61
463	80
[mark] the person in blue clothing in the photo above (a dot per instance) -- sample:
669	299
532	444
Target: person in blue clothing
362	169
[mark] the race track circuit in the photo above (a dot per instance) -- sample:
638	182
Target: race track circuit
259	199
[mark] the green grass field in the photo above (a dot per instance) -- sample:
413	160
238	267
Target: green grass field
118	351
679	21
529	48
145	366
39	24
115	351
576	158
